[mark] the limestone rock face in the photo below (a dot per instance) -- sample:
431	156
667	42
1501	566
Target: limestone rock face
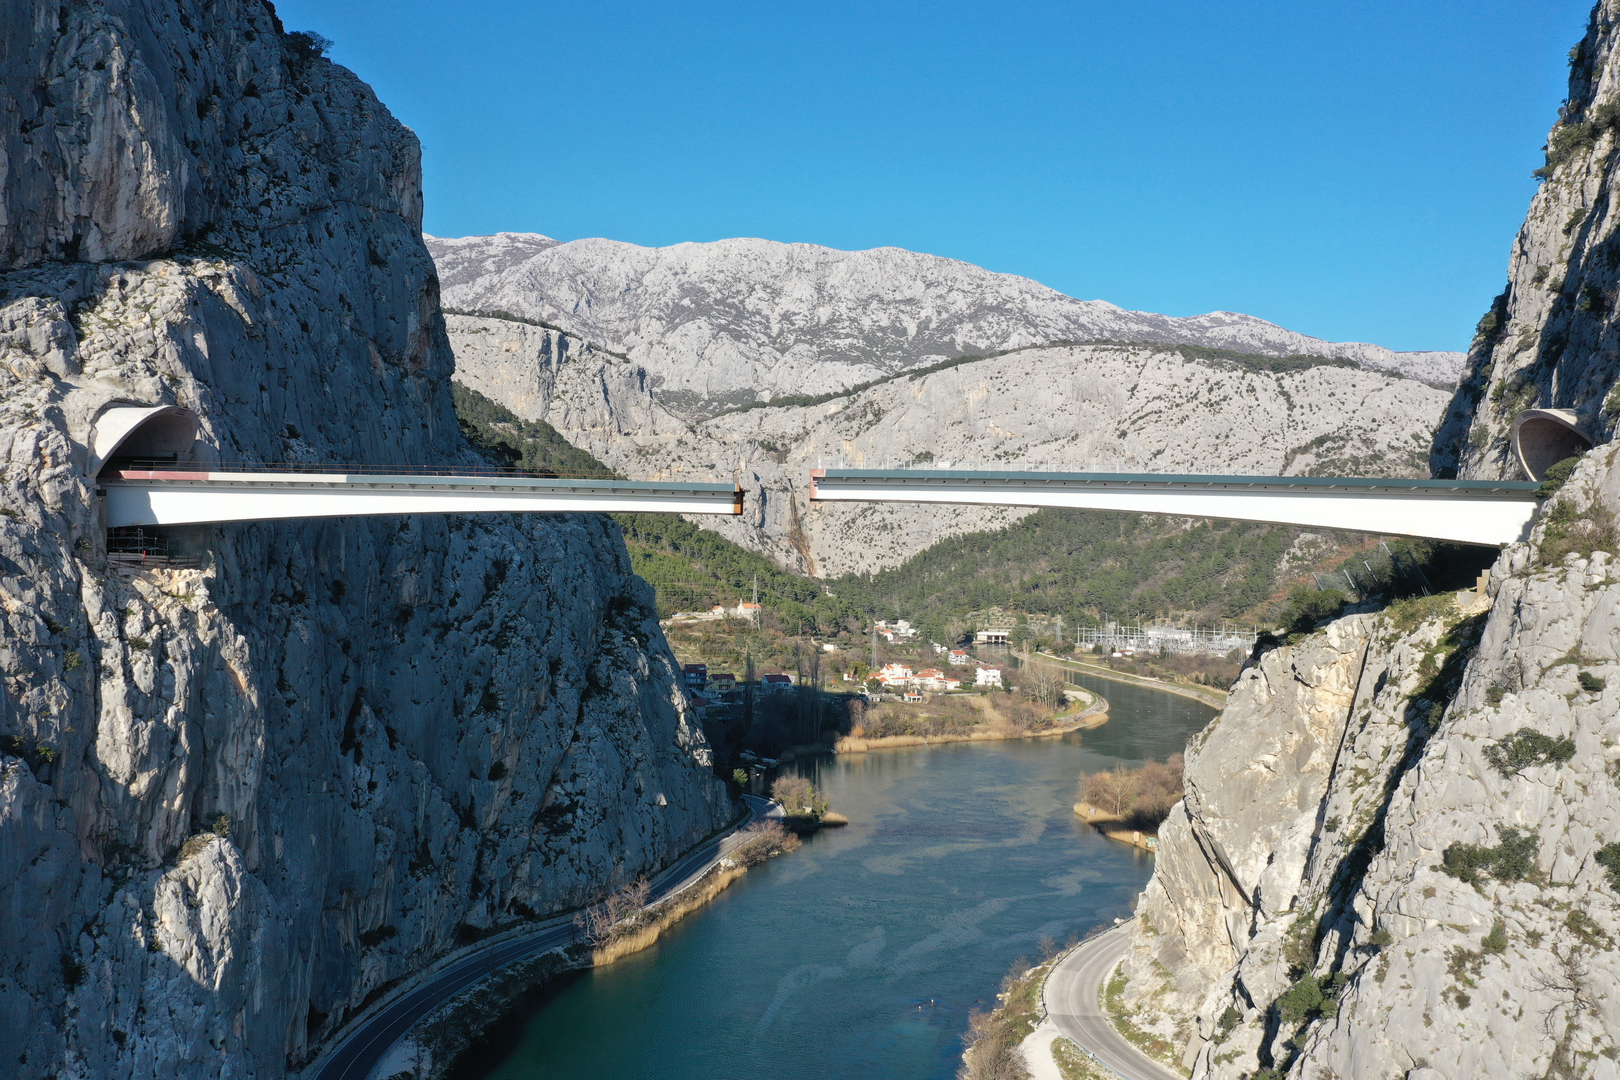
237	800
736	321
1550	340
1103	408
1399	852
1321	805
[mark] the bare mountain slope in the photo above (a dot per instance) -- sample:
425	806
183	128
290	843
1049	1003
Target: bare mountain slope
1130	408
741	320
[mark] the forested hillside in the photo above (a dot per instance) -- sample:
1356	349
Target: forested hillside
1074	562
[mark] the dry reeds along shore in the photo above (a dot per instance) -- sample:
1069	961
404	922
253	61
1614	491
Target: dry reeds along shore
623	924
1130	804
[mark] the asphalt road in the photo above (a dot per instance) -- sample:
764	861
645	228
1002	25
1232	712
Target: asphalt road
363	1048
1073	1004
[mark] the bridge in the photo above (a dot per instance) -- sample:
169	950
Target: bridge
137	459
1485	512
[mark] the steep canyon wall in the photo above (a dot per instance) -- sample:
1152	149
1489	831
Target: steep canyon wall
1399	852
237	800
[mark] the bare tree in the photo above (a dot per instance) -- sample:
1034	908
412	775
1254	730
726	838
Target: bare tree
1143	797
601	921
797	795
1046	686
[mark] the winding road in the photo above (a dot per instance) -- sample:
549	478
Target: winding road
359	1052
1073	1000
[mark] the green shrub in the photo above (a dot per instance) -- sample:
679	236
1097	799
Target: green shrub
1407	615
1592	684
1310	998
1510	860
1569	139
1307	607
1382	938
307	44
1568	529
72	661
1300	1001
1527	748
1556	476
1608	857
1494	695
1496	941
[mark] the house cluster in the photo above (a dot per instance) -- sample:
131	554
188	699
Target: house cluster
705	691
747	609
954	657
896	632
900	678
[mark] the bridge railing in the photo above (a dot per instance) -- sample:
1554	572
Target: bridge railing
116	468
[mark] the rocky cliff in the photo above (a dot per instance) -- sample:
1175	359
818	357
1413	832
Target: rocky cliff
238	801
1399	852
741	320
1106	408
1550	340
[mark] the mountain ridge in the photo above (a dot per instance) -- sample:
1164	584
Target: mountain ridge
1067	408
732	322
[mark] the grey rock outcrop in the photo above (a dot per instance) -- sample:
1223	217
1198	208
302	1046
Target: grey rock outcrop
1550	340
1302	914
1399	851
1102	408
736	321
237	801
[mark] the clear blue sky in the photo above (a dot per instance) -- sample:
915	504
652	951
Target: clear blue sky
1354	170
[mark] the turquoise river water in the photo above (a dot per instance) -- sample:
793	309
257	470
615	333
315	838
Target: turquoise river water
861	954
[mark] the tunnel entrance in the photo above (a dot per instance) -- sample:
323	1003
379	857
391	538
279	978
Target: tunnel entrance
156	433
1544	437
125	435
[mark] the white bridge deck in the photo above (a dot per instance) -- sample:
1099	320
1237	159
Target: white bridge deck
1483	512
182	494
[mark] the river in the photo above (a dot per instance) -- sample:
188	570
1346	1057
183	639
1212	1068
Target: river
861	954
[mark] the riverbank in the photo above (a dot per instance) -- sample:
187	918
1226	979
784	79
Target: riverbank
441	1043
438	1015
1206	694
1093	715
1113	827
719	878
833	958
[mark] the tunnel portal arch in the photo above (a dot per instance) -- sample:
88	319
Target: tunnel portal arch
1543	437
160	432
